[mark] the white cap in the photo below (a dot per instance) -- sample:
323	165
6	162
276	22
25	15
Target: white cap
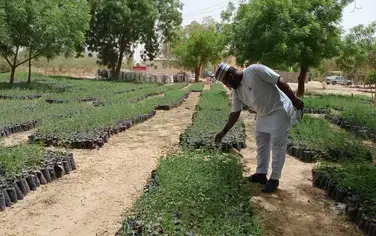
221	72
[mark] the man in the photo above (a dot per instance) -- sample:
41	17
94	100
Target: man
266	93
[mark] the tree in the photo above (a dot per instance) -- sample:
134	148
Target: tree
371	80
284	32
358	50
117	26
199	44
45	28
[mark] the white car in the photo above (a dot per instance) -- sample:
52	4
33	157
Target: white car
338	80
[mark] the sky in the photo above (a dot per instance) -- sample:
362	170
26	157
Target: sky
197	9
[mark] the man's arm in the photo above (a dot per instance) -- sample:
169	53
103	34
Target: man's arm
282	85
232	119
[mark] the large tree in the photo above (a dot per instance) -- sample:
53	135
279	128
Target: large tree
284	32
199	45
44	28
358	50
117	26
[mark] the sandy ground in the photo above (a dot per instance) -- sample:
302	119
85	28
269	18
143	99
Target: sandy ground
16	139
314	86
297	208
93	199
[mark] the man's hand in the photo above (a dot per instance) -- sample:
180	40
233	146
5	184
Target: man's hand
298	103
219	137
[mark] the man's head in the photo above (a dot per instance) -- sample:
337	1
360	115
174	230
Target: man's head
228	75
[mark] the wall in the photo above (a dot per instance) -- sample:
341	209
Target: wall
144	77
291	77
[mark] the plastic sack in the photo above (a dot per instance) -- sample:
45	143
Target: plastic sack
296	117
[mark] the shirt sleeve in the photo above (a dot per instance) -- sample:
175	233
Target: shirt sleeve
266	74
237	105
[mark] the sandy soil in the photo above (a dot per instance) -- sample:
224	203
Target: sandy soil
92	200
314	86
296	208
16	139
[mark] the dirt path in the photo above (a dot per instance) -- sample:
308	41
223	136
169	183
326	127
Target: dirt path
297	208
16	139
91	200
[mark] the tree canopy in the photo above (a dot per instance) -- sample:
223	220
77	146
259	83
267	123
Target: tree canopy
358	50
45	28
199	44
282	33
118	25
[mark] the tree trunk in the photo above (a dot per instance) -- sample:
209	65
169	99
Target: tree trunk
197	73
301	80
12	72
13	67
29	75
118	66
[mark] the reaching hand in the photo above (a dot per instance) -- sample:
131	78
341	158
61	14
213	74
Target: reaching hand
298	103
219	137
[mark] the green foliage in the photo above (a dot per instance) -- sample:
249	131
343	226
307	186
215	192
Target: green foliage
319	101
117	25
371	77
358	49
360	179
200	193
211	116
338	145
45	28
199	45
196	87
360	114
93	119
13	160
281	33
116	95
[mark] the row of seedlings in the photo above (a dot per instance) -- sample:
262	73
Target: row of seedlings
210	117
101	123
178	96
8	130
192	193
20	97
362	130
25	168
353	185
99	93
315	138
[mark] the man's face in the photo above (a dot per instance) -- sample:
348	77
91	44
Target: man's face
228	81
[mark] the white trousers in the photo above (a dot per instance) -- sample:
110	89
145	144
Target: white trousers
277	142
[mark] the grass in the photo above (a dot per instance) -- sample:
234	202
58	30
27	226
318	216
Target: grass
197	87
13	160
320	101
338	144
200	193
211	116
360	114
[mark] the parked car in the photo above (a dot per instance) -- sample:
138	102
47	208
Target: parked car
338	80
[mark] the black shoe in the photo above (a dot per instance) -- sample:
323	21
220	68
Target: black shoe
271	186
259	178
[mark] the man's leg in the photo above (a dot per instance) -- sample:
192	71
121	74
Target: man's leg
279	145
263	157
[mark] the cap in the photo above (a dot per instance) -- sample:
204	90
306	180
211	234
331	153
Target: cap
221	71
